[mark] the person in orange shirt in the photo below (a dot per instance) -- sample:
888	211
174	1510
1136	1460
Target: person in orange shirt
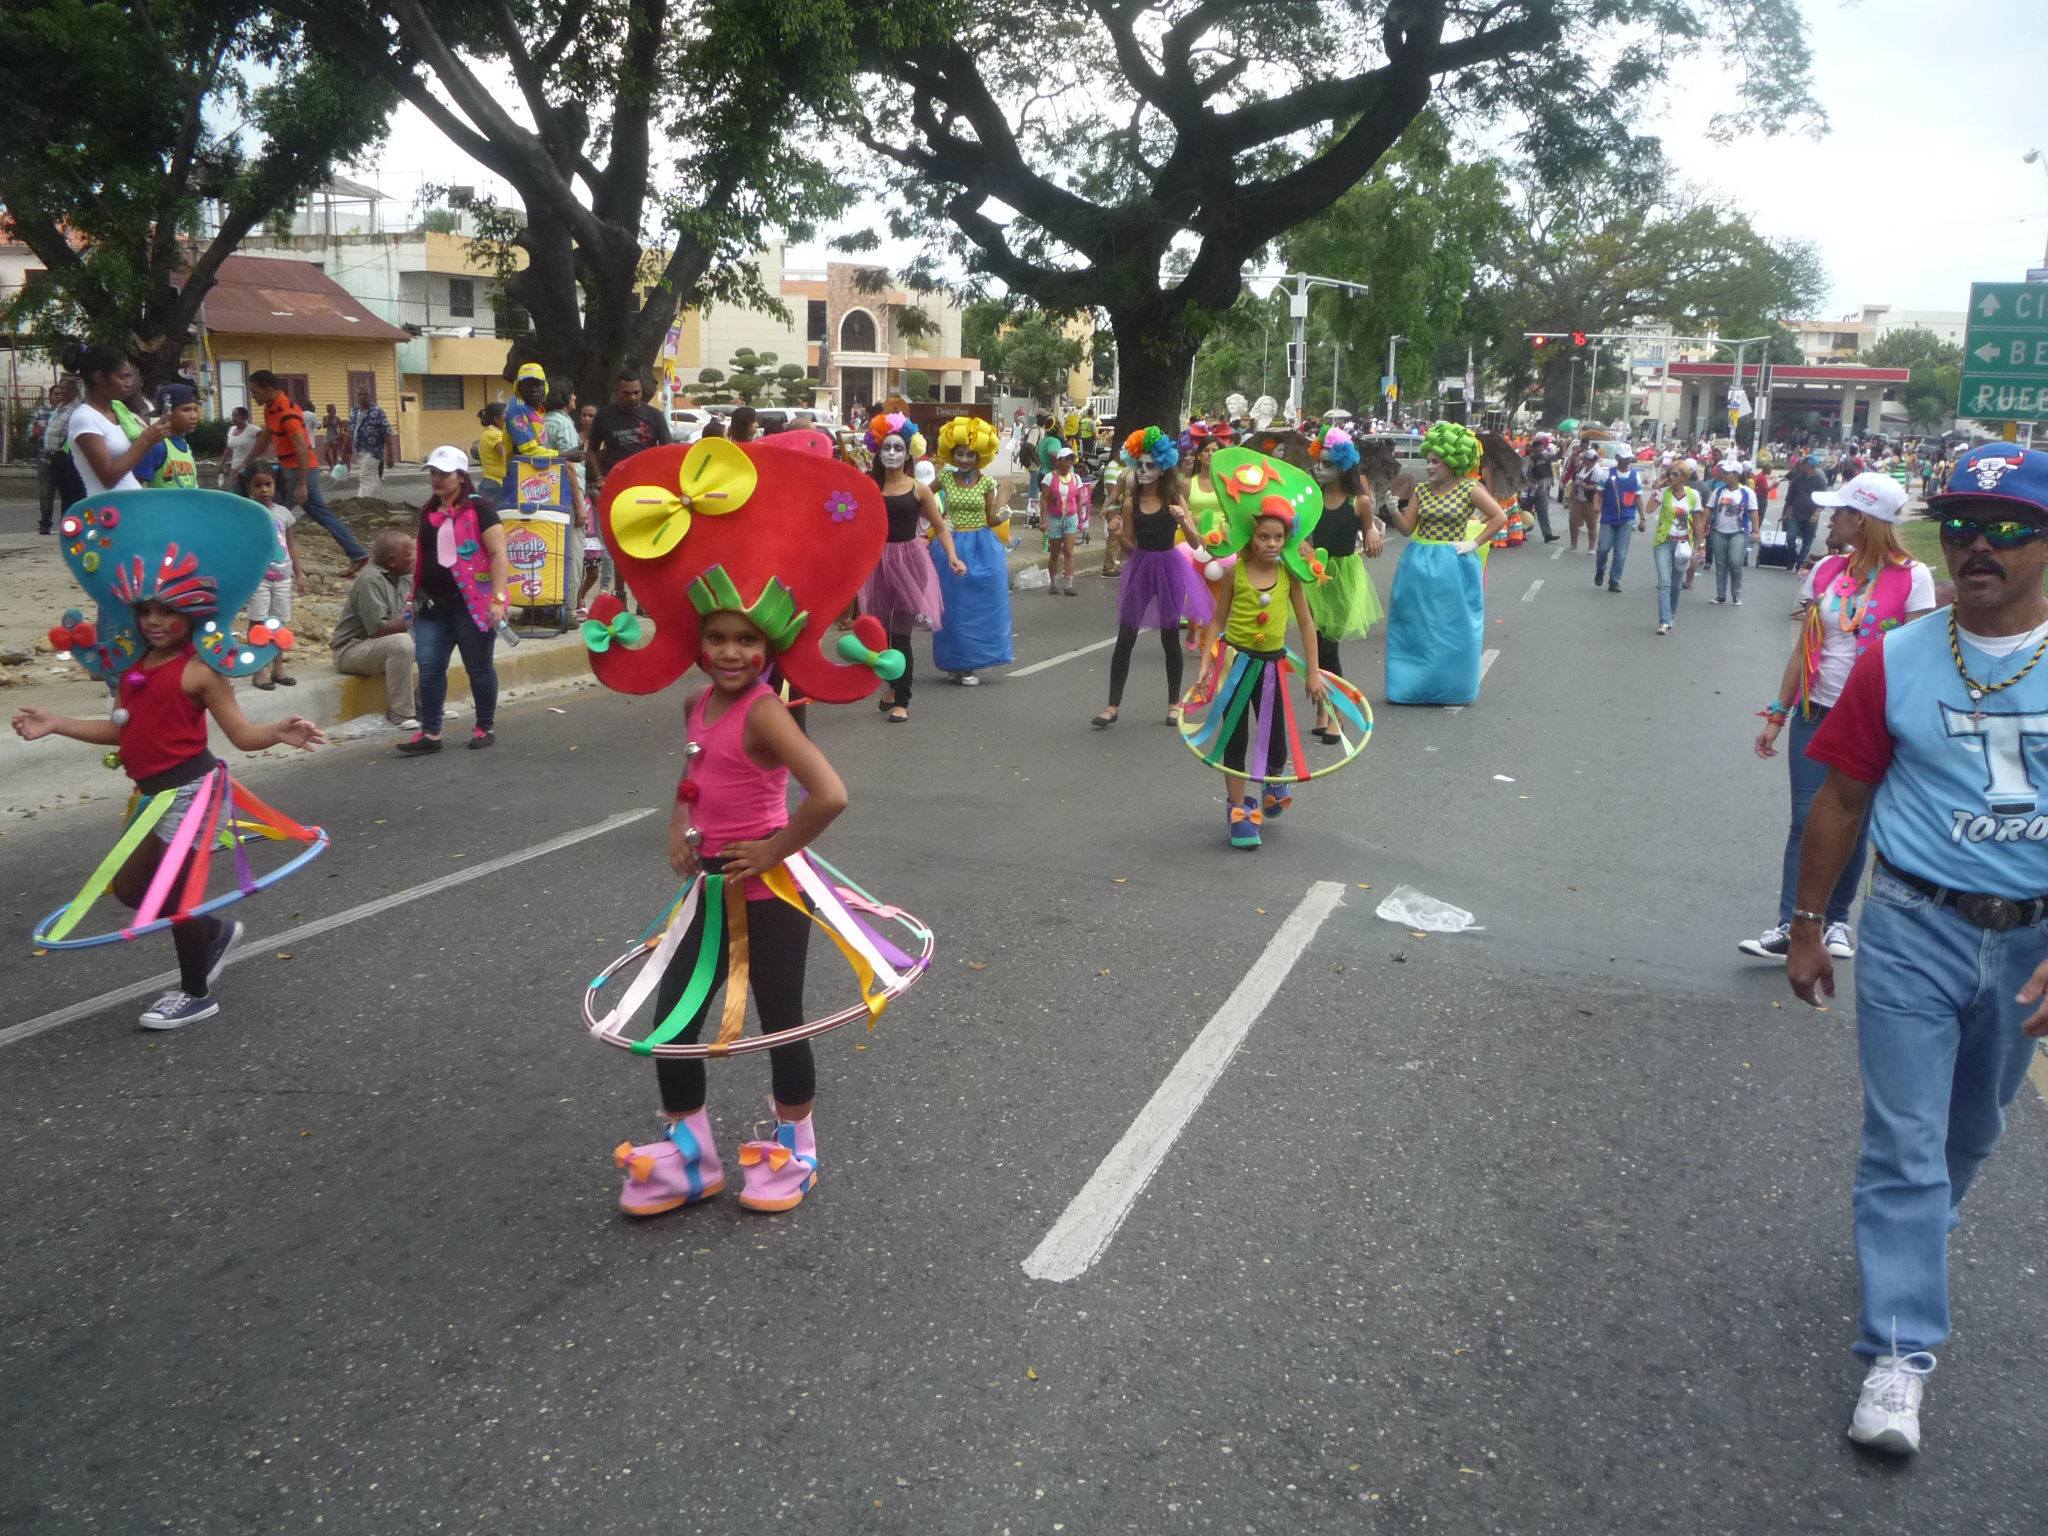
298	465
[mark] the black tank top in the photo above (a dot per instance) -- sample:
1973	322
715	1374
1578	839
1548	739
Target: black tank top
1339	529
1154	530
902	512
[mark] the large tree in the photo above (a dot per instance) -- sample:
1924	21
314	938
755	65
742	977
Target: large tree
1613	248
650	142
1936	367
1067	148
130	121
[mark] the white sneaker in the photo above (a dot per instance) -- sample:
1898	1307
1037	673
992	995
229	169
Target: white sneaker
1887	1416
969	680
1840	942
1775	944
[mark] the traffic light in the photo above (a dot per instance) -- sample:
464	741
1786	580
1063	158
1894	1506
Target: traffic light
1539	342
1578	338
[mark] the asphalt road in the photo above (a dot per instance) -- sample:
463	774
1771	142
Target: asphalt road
1538	1229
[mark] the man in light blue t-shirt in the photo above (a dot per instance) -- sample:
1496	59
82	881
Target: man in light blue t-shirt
1940	737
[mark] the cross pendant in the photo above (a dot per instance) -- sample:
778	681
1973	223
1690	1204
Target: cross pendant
1976	706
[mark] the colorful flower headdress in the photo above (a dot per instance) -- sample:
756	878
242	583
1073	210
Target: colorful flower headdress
784	537
200	553
1334	446
968	432
1250	486
1150	440
1455	445
890	424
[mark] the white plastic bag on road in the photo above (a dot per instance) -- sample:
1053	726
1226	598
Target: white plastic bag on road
1413	910
1033	578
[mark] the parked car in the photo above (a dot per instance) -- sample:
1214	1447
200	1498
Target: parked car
686	423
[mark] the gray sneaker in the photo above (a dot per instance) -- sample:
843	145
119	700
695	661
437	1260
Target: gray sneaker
1775	944
174	1010
1840	942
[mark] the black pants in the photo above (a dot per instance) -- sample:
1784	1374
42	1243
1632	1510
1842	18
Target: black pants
1539	503
778	940
901	687
1240	734
1327	659
1120	663
194	938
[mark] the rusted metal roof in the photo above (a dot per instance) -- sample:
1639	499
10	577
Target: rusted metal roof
256	296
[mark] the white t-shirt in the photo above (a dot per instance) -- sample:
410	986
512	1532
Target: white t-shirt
1729	503
1998	647
1838	645
241	443
87	422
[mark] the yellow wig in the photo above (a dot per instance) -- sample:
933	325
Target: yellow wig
968	432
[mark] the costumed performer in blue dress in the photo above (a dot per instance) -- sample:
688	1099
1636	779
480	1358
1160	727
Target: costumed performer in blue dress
1436	622
974	629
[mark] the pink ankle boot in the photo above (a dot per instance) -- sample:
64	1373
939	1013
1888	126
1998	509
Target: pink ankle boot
780	1172
680	1169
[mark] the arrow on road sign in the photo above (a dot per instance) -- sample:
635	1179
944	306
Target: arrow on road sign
1990	306
1990	352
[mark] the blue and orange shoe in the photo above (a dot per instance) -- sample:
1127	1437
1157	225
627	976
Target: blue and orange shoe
780	1172
680	1169
1244	823
1276	800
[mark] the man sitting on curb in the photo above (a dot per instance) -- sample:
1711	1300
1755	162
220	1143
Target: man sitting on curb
371	635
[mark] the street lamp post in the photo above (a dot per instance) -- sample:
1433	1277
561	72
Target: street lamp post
1262	286
2035	157
1393	350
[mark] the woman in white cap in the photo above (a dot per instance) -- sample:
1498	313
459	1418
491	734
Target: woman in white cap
459	593
1852	599
1731	518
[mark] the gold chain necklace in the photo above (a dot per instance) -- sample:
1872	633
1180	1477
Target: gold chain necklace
1979	690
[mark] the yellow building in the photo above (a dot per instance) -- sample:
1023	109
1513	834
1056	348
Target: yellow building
445	381
291	318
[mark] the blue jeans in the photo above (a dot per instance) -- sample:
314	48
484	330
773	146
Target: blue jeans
437	636
1799	533
1670	580
317	509
1614	538
1727	551
1938	1040
1807	778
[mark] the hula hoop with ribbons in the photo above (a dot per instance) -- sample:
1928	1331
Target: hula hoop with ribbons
223	815
848	914
1258	687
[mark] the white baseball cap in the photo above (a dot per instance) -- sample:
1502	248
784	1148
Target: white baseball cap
1878	496
1063	452
449	459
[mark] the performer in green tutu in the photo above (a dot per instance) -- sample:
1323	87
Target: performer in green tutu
1345	604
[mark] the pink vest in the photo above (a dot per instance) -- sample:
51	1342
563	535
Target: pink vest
736	799
1885	610
1069	499
455	533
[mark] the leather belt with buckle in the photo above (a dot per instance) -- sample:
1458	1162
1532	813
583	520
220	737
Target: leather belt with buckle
1997	913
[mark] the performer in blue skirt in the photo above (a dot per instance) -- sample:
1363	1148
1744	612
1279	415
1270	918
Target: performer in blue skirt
974	630
1436	623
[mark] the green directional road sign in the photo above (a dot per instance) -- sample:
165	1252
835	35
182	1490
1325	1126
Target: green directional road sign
2005	353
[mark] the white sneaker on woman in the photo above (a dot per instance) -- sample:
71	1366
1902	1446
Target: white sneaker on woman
1887	1416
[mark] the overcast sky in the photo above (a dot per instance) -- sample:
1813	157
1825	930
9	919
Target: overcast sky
1916	190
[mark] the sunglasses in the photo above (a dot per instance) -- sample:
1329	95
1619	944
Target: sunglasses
1963	531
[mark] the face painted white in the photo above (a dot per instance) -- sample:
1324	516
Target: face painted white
893	454
1324	471
1148	472
966	458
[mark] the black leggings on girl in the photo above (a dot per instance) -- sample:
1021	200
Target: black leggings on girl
901	643
1240	734
1326	655
1120	663
193	939
778	938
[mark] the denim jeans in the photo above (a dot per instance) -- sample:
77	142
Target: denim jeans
1938	1040
1727	551
1670	579
1799	533
317	509
1807	778
1614	539
437	636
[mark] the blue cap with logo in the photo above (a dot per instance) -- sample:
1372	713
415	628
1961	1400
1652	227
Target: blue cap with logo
2003	472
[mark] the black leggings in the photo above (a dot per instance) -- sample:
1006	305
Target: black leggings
1120	662
901	687
778	939
1326	655
194	938
1241	733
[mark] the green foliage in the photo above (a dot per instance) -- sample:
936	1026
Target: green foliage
124	119
917	384
208	440
1024	351
1929	395
1069	150
440	221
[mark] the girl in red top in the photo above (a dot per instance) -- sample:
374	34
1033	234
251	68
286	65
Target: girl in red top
167	680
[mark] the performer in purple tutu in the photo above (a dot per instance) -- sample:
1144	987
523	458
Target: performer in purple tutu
903	591
1160	585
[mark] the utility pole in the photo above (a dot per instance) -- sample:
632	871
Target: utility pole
1297	364
1393	344
1336	357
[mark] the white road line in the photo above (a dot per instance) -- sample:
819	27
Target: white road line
1557	553
1486	661
1053	661
14	1034
1087	1226
1534	587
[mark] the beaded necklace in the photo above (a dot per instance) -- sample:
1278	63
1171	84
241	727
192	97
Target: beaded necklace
1979	690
